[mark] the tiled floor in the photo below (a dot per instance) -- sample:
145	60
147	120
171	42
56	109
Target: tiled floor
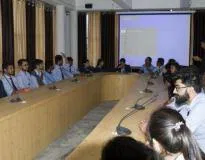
67	143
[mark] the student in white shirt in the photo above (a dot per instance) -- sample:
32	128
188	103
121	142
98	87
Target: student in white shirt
24	78
169	136
10	82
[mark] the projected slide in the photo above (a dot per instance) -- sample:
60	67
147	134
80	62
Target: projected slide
160	35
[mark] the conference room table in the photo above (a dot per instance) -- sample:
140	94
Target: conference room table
28	128
91	147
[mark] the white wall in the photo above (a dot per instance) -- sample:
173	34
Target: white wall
198	3
155	4
97	4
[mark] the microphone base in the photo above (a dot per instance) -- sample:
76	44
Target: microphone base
122	131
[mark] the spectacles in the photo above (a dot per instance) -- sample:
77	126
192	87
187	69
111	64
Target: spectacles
178	88
25	65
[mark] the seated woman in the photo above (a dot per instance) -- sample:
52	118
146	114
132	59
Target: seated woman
127	148
169	136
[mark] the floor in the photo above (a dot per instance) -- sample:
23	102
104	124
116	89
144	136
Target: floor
62	147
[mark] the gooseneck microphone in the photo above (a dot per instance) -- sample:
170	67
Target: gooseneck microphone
122	131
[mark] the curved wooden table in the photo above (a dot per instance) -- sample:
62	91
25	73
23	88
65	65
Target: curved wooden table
90	148
26	129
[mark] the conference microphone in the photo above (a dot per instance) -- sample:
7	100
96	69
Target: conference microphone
122	131
136	106
146	90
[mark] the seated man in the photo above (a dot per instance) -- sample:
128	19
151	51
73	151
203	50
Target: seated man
70	67
48	77
189	101
10	82
160	69
148	67
123	67
38	71
86	68
24	78
59	73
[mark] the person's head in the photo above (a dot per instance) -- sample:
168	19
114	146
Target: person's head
168	135
148	61
126	148
160	62
187	85
38	64
70	60
49	66
86	63
203	44
8	68
100	63
23	64
59	60
174	67
122	61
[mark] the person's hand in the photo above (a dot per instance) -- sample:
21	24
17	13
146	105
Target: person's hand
143	126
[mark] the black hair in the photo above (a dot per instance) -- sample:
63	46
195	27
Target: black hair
149	59
127	148
85	61
58	58
69	59
190	77
20	61
168	127
48	65
122	60
160	61
177	66
5	65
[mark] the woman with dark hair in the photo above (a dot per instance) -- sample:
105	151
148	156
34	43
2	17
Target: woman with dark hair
99	66
127	148
169	136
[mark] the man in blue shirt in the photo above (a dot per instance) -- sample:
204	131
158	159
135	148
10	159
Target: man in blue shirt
48	76
148	67
10	82
189	101
60	73
38	71
24	78
69	67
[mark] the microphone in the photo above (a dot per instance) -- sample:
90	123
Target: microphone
123	131
146	90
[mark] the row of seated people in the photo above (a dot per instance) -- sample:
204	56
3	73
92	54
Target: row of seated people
26	80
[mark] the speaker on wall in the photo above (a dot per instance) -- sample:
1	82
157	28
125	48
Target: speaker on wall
88	5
